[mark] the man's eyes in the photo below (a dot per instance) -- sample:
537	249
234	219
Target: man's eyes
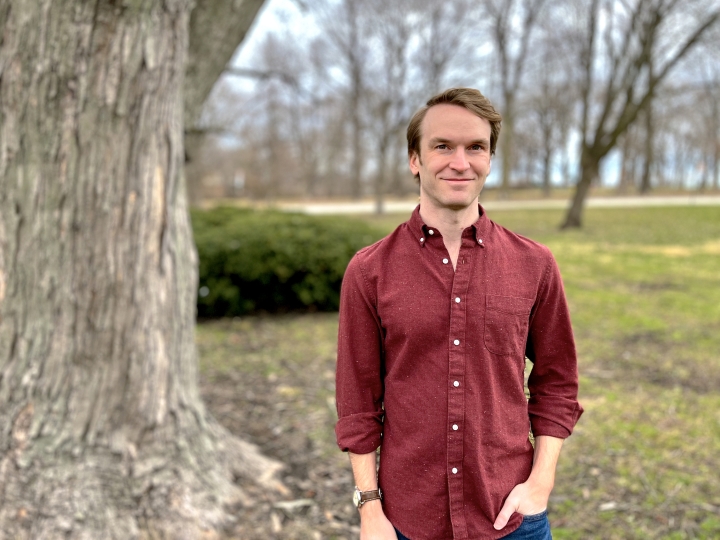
472	147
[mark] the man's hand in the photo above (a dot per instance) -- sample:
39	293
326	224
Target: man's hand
531	497
527	498
373	523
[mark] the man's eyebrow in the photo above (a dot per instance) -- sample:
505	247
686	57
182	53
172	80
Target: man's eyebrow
443	140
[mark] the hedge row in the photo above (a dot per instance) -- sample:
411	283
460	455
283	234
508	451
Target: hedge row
271	261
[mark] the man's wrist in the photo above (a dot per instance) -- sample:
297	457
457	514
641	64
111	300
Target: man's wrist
541	484
371	509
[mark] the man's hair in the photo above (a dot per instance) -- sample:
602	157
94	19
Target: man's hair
467	98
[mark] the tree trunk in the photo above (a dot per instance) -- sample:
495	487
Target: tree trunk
645	184
627	173
380	176
507	142
547	160
590	168
716	166
715	142
103	431
705	178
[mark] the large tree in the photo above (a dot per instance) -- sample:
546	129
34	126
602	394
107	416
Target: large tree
102	431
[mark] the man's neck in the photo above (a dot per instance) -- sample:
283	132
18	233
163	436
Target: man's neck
449	222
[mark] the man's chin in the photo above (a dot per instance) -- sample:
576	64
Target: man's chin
458	206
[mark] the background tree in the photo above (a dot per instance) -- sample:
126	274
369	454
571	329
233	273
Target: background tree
634	46
512	49
102	431
216	28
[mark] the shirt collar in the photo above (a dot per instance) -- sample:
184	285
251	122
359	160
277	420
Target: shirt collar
479	229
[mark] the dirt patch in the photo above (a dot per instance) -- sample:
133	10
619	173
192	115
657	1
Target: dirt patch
287	409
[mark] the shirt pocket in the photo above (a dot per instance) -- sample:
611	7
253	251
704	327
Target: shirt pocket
506	324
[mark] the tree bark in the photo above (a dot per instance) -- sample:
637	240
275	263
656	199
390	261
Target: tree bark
103	434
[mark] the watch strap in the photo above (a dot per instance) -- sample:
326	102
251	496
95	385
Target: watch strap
367	496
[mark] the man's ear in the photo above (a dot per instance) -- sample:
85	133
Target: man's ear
414	163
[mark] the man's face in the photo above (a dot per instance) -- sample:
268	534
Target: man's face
454	158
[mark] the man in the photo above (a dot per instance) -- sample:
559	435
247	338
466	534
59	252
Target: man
436	321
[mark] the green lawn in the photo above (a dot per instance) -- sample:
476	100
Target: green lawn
644	290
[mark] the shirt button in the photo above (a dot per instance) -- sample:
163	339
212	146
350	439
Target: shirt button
456	342
455	427
457	300
431	232
479	240
445	261
454	470
456	384
422	239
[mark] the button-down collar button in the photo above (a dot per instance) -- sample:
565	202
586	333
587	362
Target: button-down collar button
456	342
455	427
454	470
431	232
479	240
457	299
456	384
445	261
422	239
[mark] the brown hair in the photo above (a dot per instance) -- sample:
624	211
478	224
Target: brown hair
467	98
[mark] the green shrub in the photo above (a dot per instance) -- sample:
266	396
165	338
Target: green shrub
271	261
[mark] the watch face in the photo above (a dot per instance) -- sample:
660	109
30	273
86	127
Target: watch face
356	498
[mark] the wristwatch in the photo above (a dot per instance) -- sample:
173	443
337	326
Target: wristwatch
361	497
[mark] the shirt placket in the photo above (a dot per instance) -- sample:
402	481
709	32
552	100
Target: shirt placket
456	387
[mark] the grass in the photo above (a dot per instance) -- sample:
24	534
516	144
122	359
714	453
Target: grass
644	290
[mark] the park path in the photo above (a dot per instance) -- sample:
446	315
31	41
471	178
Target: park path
368	207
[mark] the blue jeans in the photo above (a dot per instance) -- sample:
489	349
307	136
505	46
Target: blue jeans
534	527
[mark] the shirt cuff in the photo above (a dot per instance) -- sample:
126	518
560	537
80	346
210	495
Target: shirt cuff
555	423
359	433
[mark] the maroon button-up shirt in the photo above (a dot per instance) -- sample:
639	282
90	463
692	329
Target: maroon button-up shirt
431	364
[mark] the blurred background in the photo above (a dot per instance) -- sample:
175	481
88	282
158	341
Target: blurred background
620	97
316	101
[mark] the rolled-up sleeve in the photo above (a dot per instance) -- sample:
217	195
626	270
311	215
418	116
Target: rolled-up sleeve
553	383
359	375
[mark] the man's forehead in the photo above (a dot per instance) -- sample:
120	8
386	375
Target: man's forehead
445	122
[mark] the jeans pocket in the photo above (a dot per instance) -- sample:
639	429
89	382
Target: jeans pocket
535	517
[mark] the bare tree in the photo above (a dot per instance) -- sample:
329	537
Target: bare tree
549	101
346	25
512	47
391	83
102	431
441	41
637	46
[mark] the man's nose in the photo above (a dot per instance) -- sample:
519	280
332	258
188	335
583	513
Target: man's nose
459	160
